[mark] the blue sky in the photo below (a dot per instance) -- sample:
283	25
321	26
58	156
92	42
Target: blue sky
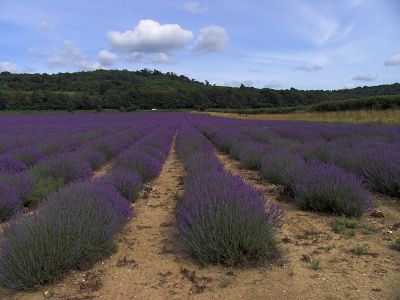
280	44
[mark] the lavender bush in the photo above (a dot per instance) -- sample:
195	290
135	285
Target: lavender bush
382	172
22	182
221	219
9	204
275	165
128	184
28	156
75	225
10	164
68	167
224	221
327	188
146	166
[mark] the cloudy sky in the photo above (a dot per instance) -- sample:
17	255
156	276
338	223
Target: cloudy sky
278	44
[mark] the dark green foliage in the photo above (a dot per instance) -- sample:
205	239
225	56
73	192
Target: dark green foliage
380	102
147	89
396	245
316	265
346	227
44	187
360	250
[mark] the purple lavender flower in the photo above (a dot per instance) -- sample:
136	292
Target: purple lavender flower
22	183
325	187
9	203
11	165
77	224
128	184
221	219
28	155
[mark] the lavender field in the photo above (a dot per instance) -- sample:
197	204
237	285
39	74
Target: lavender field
189	204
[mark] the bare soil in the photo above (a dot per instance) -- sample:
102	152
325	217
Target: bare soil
151	264
102	171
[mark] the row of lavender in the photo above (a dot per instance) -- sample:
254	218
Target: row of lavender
296	155
28	187
221	219
368	151
76	157
77	224
23	145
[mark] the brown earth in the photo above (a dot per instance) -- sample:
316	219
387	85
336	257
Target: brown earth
151	264
102	171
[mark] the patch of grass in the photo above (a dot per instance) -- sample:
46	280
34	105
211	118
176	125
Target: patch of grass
350	233
389	116
396	244
367	230
345	226
316	264
360	250
329	248
349	227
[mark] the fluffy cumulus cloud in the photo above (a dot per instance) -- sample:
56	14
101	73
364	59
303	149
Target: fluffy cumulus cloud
134	57
365	77
66	56
211	39
6	66
194	7
393	61
150	36
160	58
106	58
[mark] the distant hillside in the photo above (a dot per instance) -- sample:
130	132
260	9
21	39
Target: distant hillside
146	89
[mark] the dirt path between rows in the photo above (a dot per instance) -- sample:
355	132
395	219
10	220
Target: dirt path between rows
101	172
150	263
308	237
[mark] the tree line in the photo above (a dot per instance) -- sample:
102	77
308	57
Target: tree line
147	89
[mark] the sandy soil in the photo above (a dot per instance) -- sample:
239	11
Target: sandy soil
308	236
151	264
102	171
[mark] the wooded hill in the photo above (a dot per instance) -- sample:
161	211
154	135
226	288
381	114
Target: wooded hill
147	89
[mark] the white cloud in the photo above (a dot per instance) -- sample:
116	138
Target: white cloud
45	26
309	68
134	57
319	28
273	84
106	58
365	77
56	60
68	56
160	58
6	66
211	39
290	59
393	61
71	49
195	8
150	36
